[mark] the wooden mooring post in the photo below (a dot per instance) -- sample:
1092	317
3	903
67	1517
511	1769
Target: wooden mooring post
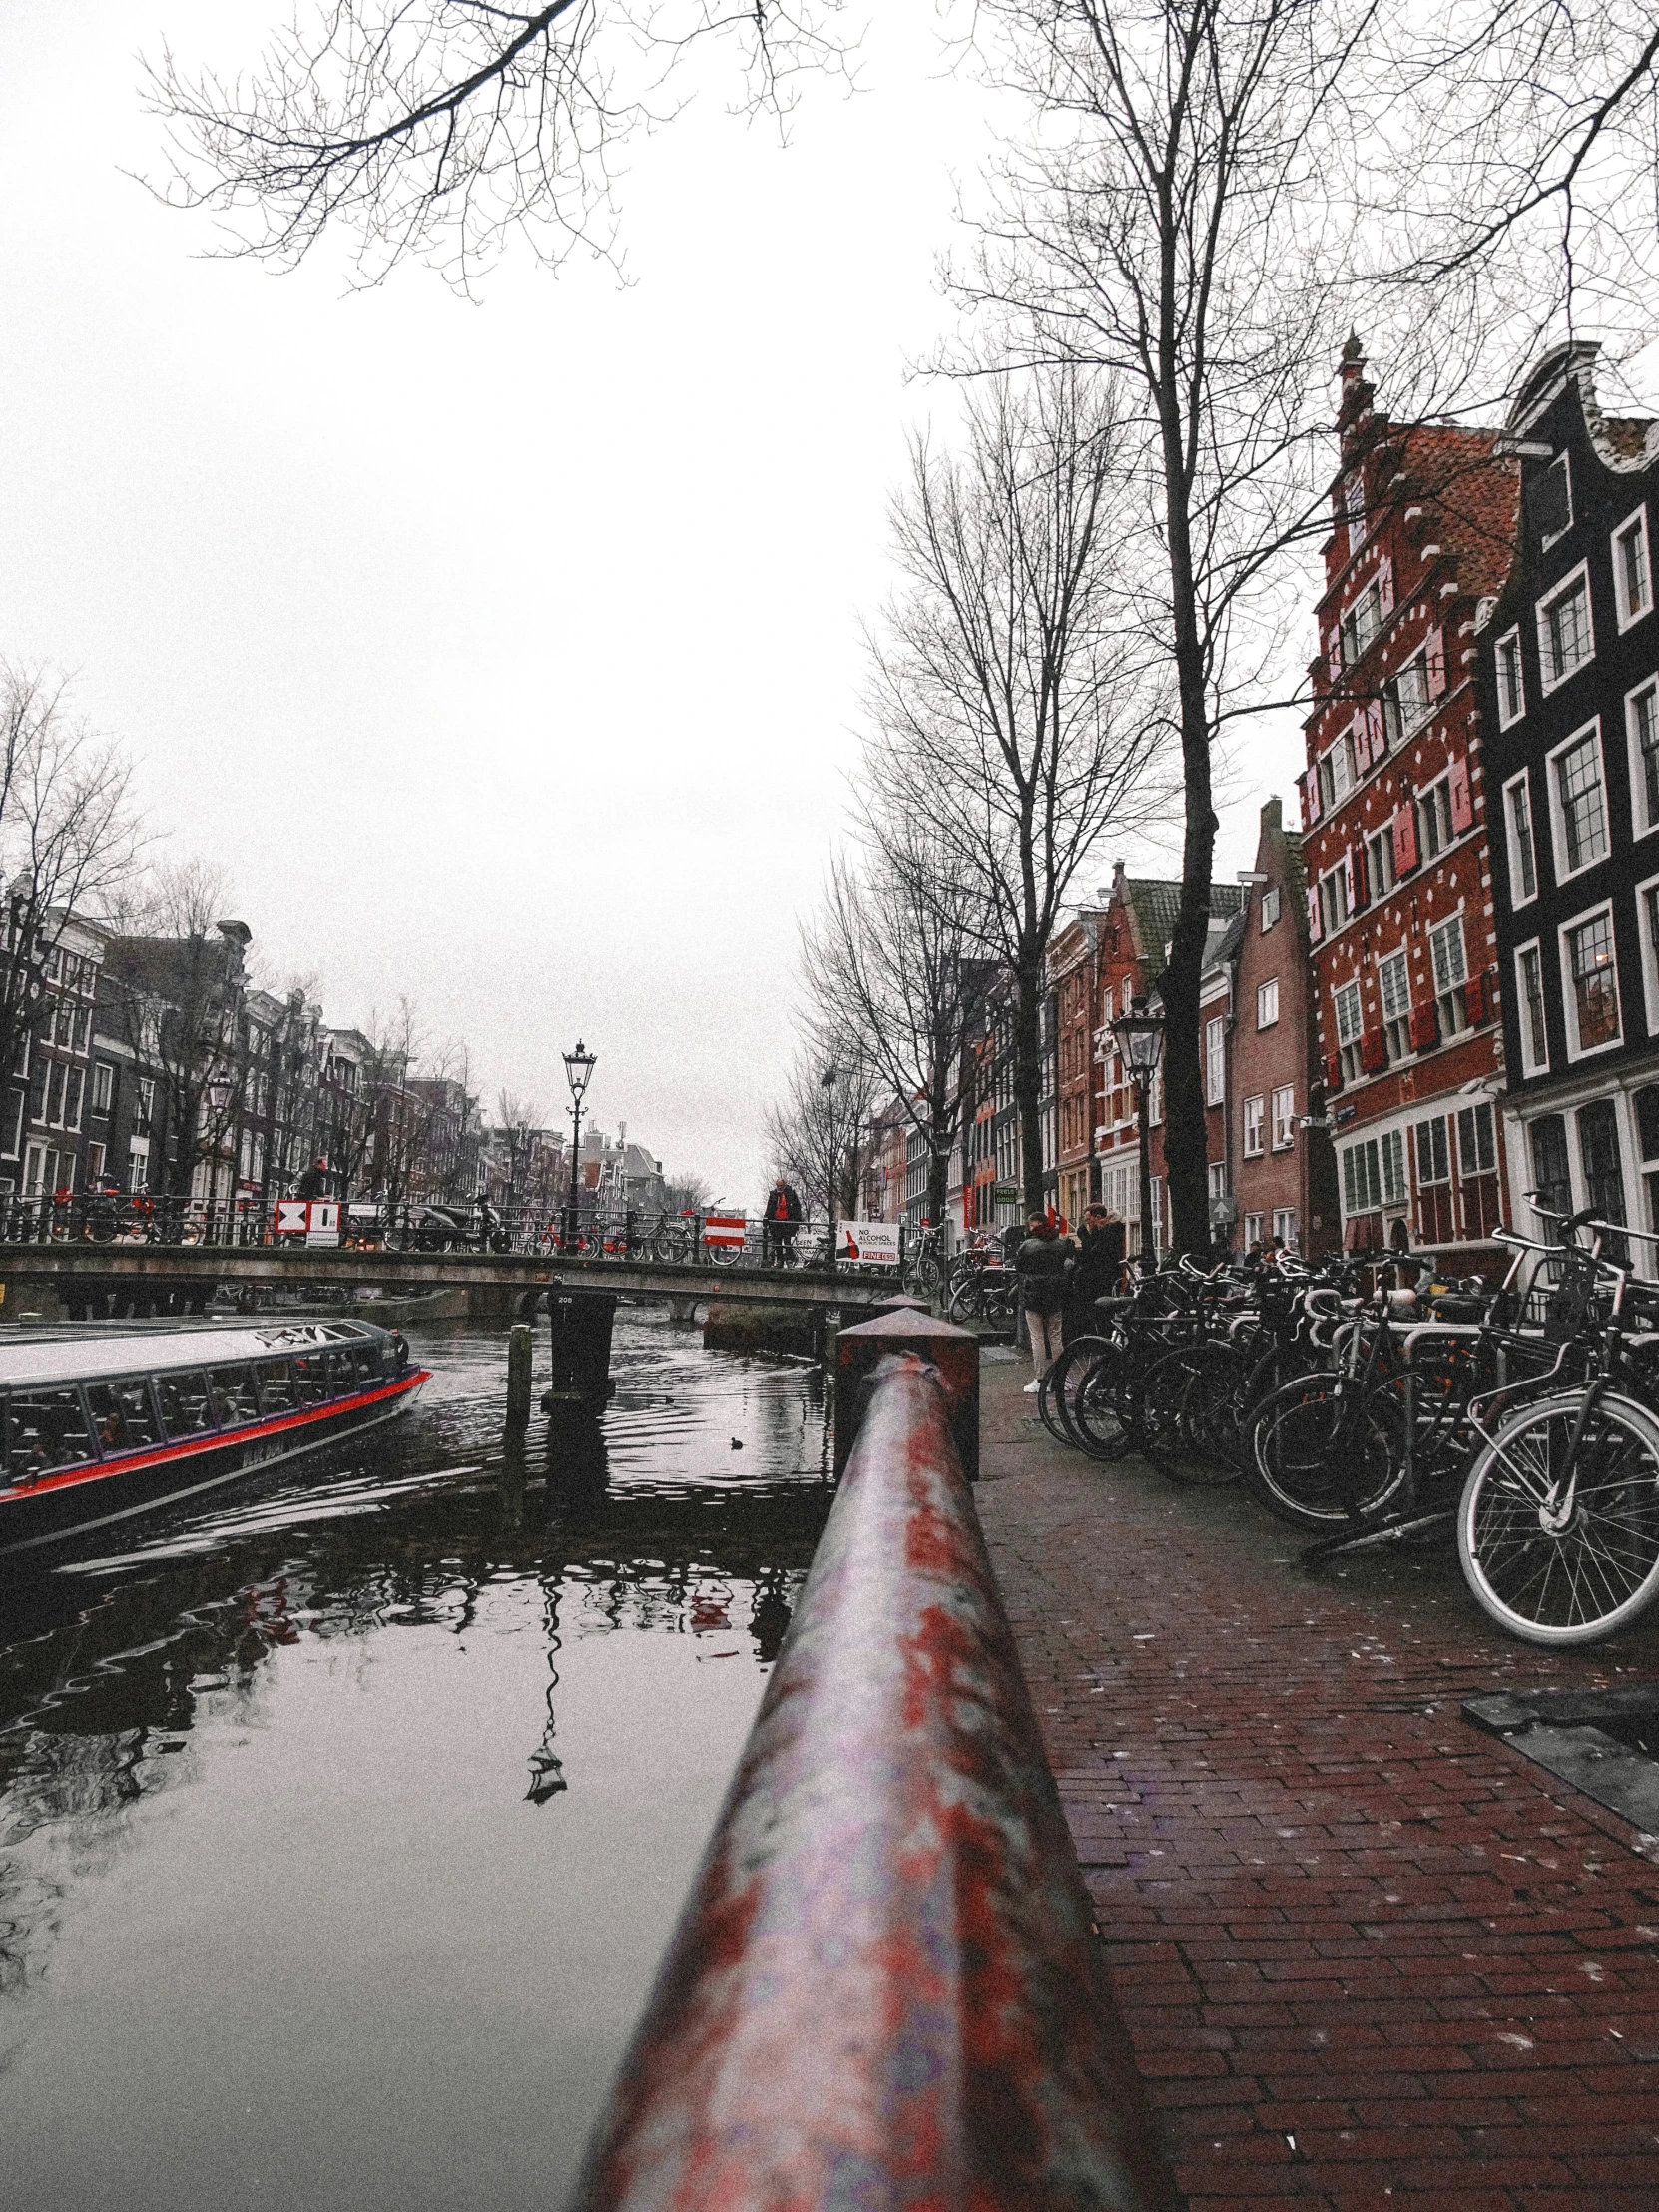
519	1346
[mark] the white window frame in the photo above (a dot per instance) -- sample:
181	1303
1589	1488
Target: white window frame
1563	463
1641	824
1391	1155
1450	1002
1266	1019
1284	1226
1518	898
1269	909
1429	802
1569	996
1581	575
1627	614
1254	1120
1378	849
1252	1227
1510	637
1214	1061
1385	959
1650	956
1283	1117
1530	1066
1557	818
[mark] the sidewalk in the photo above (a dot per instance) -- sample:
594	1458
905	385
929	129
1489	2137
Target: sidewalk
1370	1956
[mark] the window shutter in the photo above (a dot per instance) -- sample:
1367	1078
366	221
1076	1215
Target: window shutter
1423	1028
1333	1071
1437	663
1374	1051
1309	786
1373	722
1357	894
1316	929
1350	884
1386	584
1360	736
1405	840
1463	800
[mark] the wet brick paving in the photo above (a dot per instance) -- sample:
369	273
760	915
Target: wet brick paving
1368	1957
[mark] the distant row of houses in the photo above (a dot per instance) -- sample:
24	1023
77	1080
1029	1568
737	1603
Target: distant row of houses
153	1066
1433	1005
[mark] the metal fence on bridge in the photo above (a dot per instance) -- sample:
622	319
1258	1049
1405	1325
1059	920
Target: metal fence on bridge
718	1237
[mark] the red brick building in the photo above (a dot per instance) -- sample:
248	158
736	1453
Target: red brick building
1074	978
1399	885
1283	1169
1134	933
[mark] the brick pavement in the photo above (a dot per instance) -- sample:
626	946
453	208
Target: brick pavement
1368	1957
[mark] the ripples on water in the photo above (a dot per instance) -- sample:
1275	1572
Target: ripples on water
342	1830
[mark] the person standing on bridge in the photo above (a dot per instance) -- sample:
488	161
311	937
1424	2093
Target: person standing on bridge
779	1223
312	1182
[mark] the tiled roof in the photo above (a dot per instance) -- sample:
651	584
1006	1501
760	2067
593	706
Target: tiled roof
1153	906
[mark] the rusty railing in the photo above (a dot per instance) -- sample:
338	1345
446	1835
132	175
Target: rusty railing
886	1990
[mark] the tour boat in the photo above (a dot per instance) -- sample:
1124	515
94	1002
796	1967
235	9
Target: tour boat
99	1424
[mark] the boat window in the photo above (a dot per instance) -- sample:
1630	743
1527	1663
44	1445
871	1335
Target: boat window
310	1377
276	1386
186	1407
121	1414
47	1430
234	1388
353	1366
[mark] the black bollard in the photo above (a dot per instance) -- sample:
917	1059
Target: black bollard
580	1323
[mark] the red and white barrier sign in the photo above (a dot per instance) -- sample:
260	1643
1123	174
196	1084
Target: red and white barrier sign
873	1243
724	1229
314	1218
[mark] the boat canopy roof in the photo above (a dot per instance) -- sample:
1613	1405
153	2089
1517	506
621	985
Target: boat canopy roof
31	1358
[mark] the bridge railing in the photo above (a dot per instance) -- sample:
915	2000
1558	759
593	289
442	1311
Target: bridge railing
887	1986
117	1218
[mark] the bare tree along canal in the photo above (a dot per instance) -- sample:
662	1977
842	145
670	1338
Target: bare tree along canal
342	1830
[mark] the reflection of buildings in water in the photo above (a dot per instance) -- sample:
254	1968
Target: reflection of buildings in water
103	1682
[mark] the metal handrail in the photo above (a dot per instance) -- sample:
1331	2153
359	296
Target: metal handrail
887	1984
120	1218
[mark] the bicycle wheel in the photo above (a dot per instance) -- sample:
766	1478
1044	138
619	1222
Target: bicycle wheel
1324	1458
1061	1382
967	1299
1093	1407
1560	1555
1189	1413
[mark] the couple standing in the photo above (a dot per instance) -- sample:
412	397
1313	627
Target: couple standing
1061	1276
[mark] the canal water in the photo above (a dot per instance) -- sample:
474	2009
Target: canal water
342	1830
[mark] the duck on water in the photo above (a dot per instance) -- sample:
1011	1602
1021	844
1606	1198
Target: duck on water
100	1424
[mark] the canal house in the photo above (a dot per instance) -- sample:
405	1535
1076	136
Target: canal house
1569	681
1394	808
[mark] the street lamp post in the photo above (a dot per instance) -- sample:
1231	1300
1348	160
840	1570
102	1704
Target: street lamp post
1140	1039
578	1072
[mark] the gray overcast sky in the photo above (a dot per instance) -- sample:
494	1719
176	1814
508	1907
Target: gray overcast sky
506	654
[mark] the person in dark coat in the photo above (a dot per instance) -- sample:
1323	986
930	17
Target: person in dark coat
1044	1263
1100	1266
310	1184
779	1222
